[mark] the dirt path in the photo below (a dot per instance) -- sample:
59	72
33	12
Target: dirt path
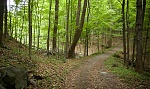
93	75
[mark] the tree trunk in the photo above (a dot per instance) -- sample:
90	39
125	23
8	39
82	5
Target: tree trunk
49	26
67	26
98	48
39	23
128	34
10	28
144	7
133	51
71	27
6	29
146	42
87	30
78	28
71	52
30	26
22	27
109	42
1	21
124	32
102	42
139	67
55	25
143	14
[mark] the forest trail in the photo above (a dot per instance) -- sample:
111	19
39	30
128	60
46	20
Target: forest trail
92	74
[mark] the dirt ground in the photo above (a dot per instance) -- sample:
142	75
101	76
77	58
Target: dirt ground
92	74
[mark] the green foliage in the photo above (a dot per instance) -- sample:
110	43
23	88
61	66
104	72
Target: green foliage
104	17
17	1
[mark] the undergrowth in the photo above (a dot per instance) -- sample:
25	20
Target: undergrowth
115	64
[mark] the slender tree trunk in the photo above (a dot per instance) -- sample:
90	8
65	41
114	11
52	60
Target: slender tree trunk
102	45
143	14
38	33
30	26
39	23
79	28
12	28
35	25
98	42
109	42
22	23
105	39
87	31
1	21
124	32
144	7
10	19
49	26
139	67
128	34
6	29
55	25
34	30
133	51
67	26
16	22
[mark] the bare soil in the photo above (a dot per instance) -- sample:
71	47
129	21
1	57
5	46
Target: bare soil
92	74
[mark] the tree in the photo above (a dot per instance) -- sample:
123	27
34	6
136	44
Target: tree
79	27
49	25
30	4
128	34
55	25
146	46
67	26
87	30
124	32
139	26
1	21
6	30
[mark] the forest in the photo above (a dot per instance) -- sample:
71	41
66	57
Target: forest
73	44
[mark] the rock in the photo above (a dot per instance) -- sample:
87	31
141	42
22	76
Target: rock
32	82
13	78
103	73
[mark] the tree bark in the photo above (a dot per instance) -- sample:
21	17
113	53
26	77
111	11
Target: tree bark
1	21
6	29
146	45
124	31
144	7
55	25
87	30
30	26
128	34
78	29
67	27
49	26
139	23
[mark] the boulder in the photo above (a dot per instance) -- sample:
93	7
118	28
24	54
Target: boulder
13	78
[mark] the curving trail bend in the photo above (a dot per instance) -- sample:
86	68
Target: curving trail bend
92	74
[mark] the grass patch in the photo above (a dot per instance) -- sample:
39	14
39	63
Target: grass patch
127	75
